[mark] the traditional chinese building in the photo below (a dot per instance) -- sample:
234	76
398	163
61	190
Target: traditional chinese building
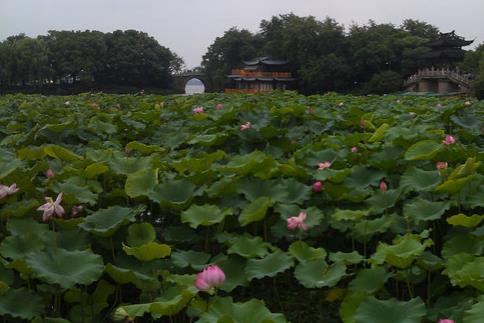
262	74
442	74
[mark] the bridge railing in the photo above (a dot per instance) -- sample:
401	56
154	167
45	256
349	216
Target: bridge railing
454	74
245	73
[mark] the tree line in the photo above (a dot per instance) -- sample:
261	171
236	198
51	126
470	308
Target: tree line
323	54
326	56
120	58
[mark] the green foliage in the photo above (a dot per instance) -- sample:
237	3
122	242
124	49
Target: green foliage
149	208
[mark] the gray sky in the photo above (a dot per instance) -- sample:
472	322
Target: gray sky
188	27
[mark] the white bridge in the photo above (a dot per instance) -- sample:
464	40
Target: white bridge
440	80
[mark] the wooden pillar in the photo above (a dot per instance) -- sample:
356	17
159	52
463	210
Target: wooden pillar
424	86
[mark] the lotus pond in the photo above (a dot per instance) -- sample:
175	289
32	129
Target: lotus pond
241	208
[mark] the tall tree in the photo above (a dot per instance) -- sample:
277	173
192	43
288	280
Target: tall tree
228	52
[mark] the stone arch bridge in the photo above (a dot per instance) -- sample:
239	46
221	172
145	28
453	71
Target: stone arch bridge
180	81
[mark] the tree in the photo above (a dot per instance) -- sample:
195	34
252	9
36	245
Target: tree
134	58
228	52
315	49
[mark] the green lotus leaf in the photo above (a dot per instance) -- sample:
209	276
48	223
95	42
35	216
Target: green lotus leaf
392	310
349	215
369	280
61	153
142	148
361	177
347	258
21	303
149	251
170	303
74	193
253	311
95	169
106	222
452	186
199	164
244	164
269	266
317	273
66	268
25	226
140	234
141	183
176	193
462	243
423	150
383	200
303	252
379	133
465	221
248	247
350	304
7	167
333	175
196	260
30	153
363	230
468	169
402	253
141	280
422	210
416	179
19	246
465	270
19	208
129	165
255	211
476	313
234	269
204	215
253	188
209	139
313	158
296	192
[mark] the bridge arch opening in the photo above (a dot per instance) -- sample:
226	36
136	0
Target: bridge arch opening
194	86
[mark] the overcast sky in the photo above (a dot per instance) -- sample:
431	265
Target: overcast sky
188	27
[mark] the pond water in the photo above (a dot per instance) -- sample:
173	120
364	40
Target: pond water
194	86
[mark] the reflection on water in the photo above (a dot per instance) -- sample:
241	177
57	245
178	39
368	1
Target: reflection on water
194	89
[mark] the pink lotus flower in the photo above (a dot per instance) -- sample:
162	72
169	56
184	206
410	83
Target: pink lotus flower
449	140
219	106
362	123
198	110
438	106
467	103
211	276
446	321
245	126
442	165
76	210
49	173
324	165
8	190
354	149
297	222
52	207
341	104
383	186
318	186
311	110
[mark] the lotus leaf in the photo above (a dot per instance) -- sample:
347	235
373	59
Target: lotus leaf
253	311
269	266
204	215
106	222
392	310
66	268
